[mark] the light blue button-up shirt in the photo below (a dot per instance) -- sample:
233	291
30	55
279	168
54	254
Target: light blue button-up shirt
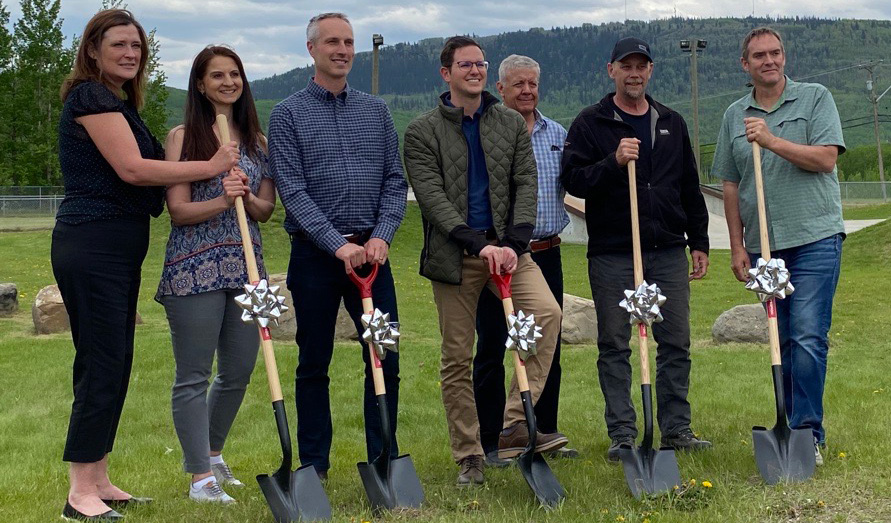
547	145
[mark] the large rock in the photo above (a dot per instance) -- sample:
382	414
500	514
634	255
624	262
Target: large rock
48	311
579	320
9	299
49	314
742	324
287	324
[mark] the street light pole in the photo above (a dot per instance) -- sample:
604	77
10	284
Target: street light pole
693	47
871	87
376	41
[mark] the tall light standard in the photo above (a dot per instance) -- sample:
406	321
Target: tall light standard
376	41
693	47
871	87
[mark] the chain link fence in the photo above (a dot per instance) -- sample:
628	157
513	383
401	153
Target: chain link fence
30	201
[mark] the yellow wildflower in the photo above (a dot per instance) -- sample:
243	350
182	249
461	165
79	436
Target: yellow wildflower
842	455
692	482
707	484
620	518
821	504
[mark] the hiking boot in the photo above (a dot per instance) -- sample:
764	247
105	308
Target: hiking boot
513	440
818	457
685	440
492	460
210	492
471	471
619	442
565	453
224	476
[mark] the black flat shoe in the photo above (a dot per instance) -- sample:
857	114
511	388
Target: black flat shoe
124	503
72	514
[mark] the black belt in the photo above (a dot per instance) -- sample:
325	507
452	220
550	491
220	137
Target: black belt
358	238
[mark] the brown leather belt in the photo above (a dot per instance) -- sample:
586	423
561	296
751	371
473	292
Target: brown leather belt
544	243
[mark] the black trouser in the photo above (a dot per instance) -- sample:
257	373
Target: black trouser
610	275
488	364
97	267
317	282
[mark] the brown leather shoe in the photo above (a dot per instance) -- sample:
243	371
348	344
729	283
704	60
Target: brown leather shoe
471	471
513	440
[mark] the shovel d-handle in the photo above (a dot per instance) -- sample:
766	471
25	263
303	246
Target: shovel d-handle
363	283
250	262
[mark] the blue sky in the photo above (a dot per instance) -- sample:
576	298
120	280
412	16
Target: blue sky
270	35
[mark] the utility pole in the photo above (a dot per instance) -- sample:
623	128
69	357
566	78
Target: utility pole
874	100
693	47
376	41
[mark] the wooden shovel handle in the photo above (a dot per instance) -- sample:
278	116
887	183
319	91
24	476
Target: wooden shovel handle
502	281
377	370
638	269
772	327
250	261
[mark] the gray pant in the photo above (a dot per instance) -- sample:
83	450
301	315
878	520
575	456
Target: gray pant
201	325
610	275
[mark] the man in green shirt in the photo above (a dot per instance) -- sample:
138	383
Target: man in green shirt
798	127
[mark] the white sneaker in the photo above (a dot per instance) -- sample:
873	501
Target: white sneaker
210	492
224	476
817	456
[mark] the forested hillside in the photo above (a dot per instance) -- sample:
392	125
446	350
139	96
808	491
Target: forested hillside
573	61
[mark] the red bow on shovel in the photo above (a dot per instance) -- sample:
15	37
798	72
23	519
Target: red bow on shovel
291	496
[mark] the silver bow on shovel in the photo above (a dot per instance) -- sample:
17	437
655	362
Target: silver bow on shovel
770	279
261	303
380	332
643	304
522	333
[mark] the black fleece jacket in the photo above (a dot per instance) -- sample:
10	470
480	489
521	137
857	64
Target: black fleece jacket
671	207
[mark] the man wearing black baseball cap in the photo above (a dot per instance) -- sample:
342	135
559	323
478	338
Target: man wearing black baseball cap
629	125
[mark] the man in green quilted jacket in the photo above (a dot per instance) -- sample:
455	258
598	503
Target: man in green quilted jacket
471	166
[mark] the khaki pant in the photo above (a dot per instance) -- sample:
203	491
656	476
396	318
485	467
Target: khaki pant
456	305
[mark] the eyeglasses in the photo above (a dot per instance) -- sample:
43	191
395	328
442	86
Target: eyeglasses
467	66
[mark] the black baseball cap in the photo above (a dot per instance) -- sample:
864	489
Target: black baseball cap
629	46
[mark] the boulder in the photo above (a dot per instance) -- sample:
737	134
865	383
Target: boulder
579	320
48	311
9	299
49	314
742	324
287	324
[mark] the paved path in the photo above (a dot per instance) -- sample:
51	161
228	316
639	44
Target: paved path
719	238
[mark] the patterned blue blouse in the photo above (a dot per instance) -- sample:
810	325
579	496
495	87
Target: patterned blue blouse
208	256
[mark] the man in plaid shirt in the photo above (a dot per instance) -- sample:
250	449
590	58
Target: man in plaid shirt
334	155
518	78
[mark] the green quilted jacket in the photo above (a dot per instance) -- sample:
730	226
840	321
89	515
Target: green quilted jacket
436	164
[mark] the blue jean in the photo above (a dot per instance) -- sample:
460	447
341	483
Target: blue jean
317	282
804	318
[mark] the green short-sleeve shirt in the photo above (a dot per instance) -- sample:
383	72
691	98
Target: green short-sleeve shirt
802	206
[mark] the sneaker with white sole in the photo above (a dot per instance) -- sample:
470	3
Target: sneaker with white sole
224	476
818	457
210	492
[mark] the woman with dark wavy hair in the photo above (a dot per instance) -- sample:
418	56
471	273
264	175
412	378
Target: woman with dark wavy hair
113	172
204	268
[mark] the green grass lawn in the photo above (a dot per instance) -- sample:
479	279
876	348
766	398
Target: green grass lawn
730	392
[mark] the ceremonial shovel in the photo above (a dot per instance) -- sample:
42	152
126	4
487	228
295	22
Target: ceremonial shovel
532	464
647	471
389	483
291	496
782	454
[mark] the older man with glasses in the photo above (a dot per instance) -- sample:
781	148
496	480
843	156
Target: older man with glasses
471	165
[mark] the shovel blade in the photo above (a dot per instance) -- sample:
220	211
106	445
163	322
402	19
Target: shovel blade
541	479
649	471
302	499
394	486
784	454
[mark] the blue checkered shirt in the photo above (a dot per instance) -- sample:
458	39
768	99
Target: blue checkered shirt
547	145
336	165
